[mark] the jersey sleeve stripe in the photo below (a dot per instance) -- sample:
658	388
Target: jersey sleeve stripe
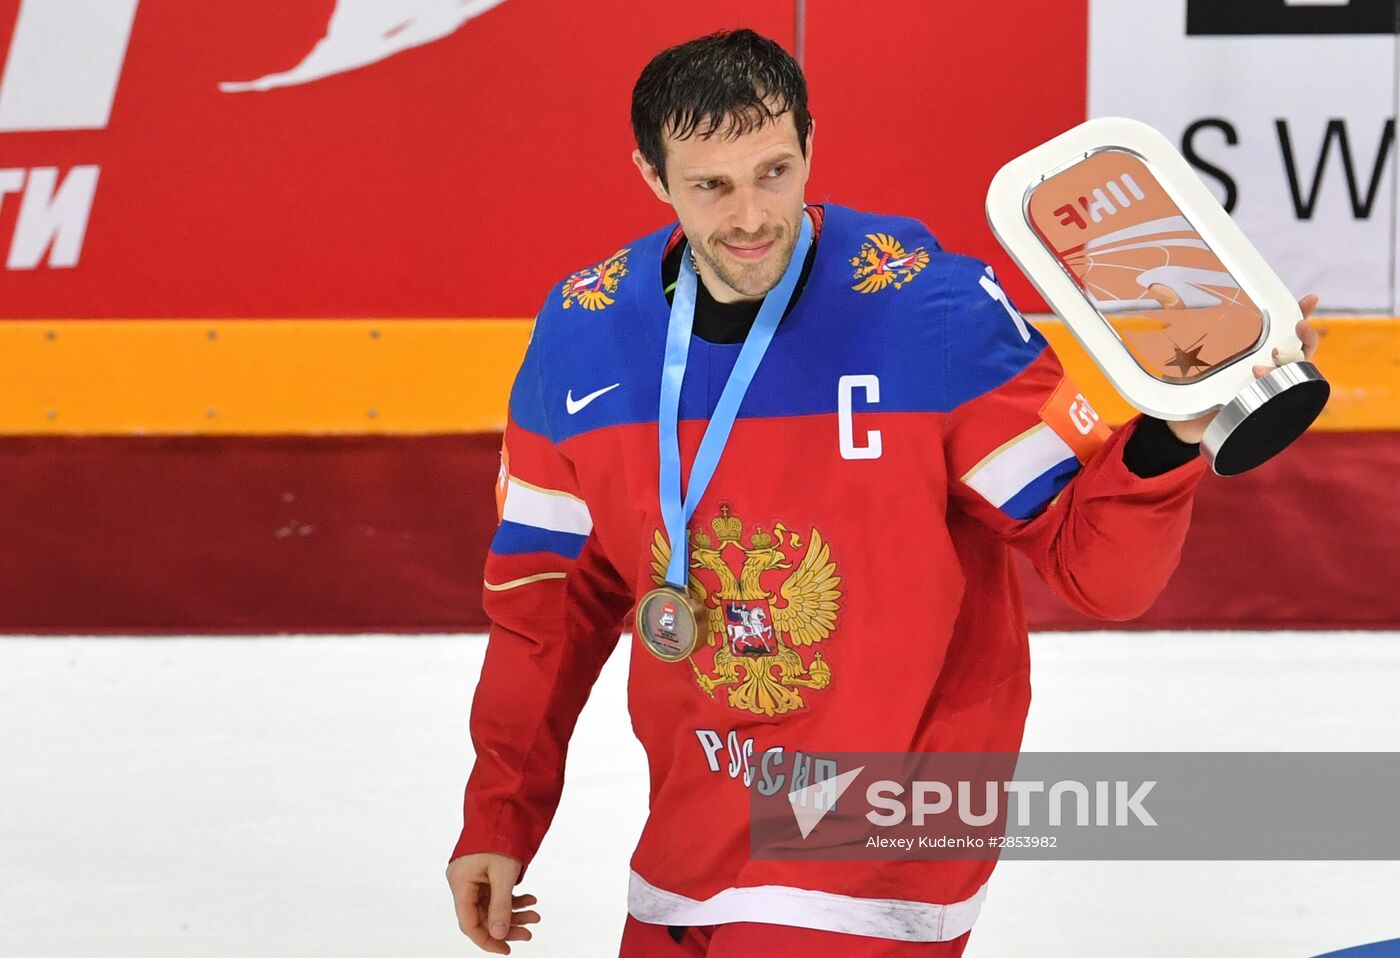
549	509
513	538
1017	463
523	580
1040	490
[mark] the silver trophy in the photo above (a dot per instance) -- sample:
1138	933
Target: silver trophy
1109	221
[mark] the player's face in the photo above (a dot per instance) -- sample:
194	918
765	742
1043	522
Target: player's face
739	200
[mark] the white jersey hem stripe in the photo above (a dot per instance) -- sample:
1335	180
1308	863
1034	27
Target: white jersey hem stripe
890	918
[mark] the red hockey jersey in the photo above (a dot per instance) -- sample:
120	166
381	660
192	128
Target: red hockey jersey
906	431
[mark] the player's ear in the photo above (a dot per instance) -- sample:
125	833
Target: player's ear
811	128
652	178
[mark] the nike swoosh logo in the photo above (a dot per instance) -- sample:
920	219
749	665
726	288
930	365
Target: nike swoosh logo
574	405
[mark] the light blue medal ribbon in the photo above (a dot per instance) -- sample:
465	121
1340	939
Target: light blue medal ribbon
675	513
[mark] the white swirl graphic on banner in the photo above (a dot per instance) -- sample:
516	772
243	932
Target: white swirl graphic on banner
362	32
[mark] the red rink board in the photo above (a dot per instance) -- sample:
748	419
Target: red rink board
389	534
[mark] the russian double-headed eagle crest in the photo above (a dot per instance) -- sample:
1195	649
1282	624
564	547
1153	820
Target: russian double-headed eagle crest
882	260
595	287
757	633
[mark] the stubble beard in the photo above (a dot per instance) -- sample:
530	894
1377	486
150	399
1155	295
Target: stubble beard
751	279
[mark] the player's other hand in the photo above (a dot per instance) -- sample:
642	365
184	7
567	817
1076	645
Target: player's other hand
487	912
1193	430
1307	334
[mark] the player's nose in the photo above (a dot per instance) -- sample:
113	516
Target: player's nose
750	217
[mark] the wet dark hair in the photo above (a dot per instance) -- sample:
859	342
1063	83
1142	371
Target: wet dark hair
734	79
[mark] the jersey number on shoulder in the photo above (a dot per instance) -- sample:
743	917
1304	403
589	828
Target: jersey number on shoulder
989	283
871	448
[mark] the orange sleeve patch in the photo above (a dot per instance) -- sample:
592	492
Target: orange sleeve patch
1074	420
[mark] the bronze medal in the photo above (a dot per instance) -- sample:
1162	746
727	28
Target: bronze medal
668	621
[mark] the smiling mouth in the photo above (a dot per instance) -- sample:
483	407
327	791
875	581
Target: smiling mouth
749	251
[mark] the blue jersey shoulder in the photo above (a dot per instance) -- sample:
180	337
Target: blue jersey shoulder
527	406
883	297
986	339
958	333
576	331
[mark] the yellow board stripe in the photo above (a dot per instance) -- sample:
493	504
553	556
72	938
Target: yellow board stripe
425	376
253	377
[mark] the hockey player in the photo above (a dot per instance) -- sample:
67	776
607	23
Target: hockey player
802	442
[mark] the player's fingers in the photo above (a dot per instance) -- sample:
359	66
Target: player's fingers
1260	372
486	943
523	901
1165	295
519	934
525	918
480	937
502	875
471	919
1310	337
464	900
1308	303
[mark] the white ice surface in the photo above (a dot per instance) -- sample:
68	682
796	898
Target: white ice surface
299	796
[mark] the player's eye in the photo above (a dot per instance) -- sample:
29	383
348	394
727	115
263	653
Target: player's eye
777	171
705	185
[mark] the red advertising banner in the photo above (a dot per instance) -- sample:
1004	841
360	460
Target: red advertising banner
431	158
434	158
